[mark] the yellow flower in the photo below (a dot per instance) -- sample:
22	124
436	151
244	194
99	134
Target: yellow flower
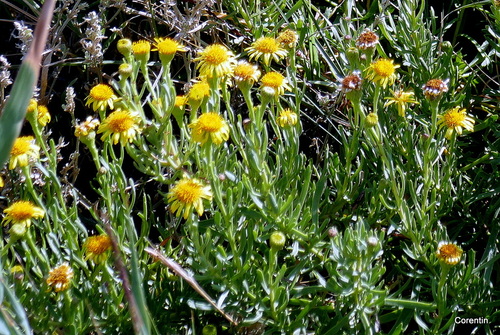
288	38
60	277
180	101
121	125
287	118
21	212
86	127
215	61
246	73
273	83
188	194
382	72
210	126
449	253
435	88
141	50
33	105
199	92
401	99
167	48
455	119
43	115
268	48
23	149
367	40
2	183
97	248
100	97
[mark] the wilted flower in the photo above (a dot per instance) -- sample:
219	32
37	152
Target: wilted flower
449	253
435	88
60	277
288	38
367	40
401	99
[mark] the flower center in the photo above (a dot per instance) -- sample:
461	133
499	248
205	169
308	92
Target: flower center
141	47
188	191
199	91
21	210
120	121
98	245
210	122
101	92
384	68
21	146
272	79
453	119
167	46
266	45
244	72
215	54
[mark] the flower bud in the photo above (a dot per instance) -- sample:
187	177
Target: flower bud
125	70
209	330
124	46
371	120
277	240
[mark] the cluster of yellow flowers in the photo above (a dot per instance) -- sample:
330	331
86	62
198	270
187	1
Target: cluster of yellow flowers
217	65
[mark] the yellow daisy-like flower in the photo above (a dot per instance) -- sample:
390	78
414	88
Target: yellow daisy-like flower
188	194
100	97
435	88
199	92
121	125
449	253
268	48
215	61
287	118
167	48
401	99
273	83
60	277
181	101
382	72
86	127
455	119
288	38
210	126
21	212
23	149
97	248
141	48
245	72
43	115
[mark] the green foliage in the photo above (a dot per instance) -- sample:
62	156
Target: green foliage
321	210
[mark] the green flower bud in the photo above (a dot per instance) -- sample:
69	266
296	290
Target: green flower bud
277	240
124	46
125	70
371	120
209	330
